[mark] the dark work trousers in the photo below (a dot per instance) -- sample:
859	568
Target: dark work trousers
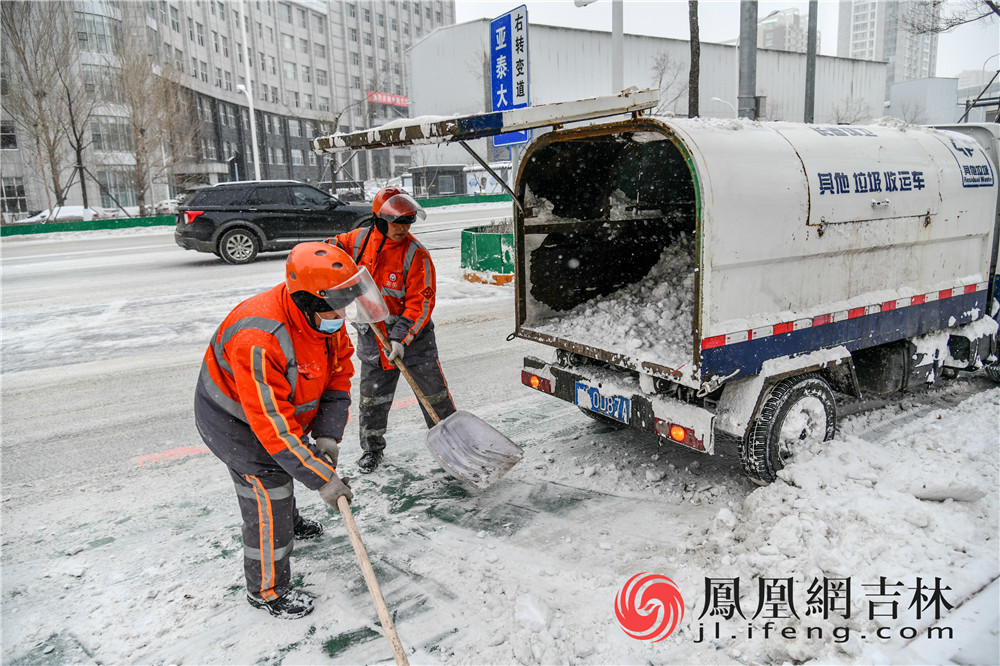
377	388
269	517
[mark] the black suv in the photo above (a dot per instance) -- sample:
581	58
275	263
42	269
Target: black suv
238	220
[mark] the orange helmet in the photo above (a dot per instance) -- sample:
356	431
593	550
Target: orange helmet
382	195
323	278
313	271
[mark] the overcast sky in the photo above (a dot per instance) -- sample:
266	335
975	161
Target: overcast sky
968	47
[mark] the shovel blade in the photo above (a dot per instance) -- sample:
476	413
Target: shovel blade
472	450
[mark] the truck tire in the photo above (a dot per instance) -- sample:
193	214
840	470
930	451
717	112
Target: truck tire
993	372
796	410
238	246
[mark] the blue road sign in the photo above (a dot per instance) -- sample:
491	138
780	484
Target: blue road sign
509	68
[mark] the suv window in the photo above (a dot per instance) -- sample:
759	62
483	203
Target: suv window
270	195
309	196
221	196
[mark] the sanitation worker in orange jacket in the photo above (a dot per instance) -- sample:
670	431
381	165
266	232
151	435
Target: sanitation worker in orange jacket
277	368
403	270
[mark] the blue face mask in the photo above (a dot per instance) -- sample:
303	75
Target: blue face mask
330	325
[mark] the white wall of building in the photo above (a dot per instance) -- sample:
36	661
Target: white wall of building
447	70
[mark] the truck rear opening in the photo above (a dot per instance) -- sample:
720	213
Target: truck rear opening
610	249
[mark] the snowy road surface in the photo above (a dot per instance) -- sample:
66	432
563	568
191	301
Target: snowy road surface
121	533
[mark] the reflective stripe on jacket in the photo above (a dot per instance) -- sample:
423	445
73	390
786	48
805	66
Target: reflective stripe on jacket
405	275
267	368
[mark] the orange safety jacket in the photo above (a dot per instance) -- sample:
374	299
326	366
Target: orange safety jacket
405	275
266	367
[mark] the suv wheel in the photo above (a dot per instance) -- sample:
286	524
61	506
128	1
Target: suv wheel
238	246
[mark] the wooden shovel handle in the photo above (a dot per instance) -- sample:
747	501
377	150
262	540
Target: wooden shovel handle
406	373
373	588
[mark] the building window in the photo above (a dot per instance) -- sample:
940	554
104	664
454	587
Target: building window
279	155
8	138
294	127
290	71
355	58
319	50
306	74
225	48
352	11
199	30
204	71
309	101
366	15
117	187
368	38
381	42
324	103
300	18
321	77
175	20
319	23
356	82
218	77
97	34
215	41
304	45
352	34
13	199
287	42
297	157
285	12
380	20
370	62
229	81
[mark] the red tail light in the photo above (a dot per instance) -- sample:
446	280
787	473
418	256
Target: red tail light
536	382
678	433
189	215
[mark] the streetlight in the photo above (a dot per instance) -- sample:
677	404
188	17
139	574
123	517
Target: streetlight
253	131
729	104
243	89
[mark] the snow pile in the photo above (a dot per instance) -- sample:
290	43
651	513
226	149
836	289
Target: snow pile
650	320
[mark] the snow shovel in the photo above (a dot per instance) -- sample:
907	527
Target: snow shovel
467	447
398	653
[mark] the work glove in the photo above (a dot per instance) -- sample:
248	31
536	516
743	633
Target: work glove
334	488
397	351
328	447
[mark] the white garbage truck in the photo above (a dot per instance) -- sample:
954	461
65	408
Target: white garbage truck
705	276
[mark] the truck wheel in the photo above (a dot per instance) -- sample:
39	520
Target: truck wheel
993	372
797	411
238	246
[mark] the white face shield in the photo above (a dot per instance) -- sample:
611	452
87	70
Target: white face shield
357	299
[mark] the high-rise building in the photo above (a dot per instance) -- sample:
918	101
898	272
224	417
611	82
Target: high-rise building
311	66
876	30
785	30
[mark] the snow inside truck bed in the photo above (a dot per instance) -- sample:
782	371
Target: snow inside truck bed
610	249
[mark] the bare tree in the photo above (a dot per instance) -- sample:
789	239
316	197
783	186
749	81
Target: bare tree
913	113
851	110
929	17
668	76
37	48
162	133
694	74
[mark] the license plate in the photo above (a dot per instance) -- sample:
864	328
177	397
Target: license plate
616	407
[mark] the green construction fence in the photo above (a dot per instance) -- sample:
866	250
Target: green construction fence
15	229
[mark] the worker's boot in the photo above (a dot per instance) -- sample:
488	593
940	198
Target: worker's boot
307	529
369	462
289	606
